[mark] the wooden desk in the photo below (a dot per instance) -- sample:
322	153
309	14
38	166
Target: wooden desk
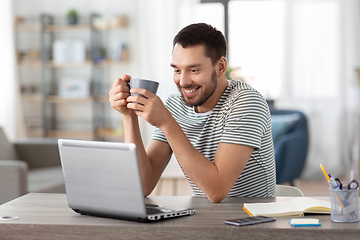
47	216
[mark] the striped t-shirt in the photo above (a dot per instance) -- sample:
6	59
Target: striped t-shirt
242	117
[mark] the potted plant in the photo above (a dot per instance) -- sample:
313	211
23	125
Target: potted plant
72	16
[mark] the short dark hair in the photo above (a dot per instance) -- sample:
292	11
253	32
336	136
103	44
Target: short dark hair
203	34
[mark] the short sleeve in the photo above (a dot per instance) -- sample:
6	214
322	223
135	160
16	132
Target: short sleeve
158	135
247	119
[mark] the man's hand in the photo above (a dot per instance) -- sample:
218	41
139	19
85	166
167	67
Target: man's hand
150	108
118	94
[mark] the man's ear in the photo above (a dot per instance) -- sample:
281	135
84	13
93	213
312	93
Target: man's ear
221	66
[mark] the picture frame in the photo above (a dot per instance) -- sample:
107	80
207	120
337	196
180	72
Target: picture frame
69	51
75	87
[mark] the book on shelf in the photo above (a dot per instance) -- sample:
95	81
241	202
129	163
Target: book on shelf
294	207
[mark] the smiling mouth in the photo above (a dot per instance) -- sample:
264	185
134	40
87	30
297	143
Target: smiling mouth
190	91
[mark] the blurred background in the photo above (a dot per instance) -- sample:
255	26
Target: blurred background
60	58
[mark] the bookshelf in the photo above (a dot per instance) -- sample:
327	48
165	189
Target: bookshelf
47	113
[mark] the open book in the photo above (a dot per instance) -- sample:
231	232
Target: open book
294	207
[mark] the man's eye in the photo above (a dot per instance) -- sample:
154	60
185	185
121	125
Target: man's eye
176	71
194	70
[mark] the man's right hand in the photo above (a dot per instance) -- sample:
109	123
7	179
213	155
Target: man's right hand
118	94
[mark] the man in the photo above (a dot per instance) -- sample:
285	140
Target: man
218	130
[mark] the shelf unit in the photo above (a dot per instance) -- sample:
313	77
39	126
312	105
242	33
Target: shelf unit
46	93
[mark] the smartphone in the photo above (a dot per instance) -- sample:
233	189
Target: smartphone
249	220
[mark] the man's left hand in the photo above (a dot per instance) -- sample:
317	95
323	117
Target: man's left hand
150	108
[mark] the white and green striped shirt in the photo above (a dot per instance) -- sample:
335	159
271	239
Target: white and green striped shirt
242	117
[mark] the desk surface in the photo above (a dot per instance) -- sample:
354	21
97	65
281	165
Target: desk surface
47	216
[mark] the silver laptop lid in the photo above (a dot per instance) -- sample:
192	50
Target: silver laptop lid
102	178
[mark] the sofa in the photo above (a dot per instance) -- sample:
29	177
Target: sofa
29	165
33	165
291	140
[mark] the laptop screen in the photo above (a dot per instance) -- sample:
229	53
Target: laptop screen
102	178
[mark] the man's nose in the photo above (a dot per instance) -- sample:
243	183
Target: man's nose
185	80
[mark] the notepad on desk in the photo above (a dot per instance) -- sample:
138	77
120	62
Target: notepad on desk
294	207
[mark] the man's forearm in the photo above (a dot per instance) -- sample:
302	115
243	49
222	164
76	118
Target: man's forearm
132	131
132	135
199	169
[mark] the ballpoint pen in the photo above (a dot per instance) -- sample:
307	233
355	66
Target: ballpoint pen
341	196
331	181
333	185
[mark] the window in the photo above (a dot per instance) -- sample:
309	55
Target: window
313	57
256	44
210	13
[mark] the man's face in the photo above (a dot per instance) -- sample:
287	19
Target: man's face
194	74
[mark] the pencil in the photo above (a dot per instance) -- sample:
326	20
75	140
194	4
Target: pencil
247	211
325	173
333	187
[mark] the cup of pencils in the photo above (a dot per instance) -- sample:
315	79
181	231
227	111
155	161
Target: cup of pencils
344	205
344	199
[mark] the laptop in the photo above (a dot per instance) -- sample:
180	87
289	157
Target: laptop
103	179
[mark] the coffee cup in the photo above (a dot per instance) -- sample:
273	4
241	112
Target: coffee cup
150	85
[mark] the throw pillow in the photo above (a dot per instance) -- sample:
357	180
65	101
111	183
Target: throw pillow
282	123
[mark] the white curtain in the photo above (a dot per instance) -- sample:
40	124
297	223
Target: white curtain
10	110
321	54
158	23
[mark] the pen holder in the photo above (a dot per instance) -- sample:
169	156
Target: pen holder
344	205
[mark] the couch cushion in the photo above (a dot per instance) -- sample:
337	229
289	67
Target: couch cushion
282	123
38	152
13	179
46	180
7	150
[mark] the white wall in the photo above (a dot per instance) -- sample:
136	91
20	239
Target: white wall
8	84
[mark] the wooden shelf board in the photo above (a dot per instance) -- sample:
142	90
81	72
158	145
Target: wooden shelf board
28	27
104	133
52	64
31	97
65	28
30	63
58	99
71	134
35	133
108	62
107	132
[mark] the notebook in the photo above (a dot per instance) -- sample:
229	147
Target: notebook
294	207
103	179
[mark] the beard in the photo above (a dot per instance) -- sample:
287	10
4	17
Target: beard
208	92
